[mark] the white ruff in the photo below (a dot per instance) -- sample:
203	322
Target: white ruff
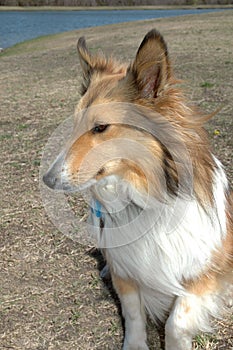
156	244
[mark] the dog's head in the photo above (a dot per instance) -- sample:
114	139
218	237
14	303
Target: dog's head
127	125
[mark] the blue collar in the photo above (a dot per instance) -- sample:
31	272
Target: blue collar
97	209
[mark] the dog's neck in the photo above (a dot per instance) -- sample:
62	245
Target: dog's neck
120	215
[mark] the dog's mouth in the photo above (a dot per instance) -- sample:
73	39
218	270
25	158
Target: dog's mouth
57	182
59	178
56	178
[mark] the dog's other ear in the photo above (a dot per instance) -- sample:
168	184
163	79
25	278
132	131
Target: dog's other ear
86	63
151	68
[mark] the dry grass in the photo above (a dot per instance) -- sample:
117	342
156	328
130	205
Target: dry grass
51	295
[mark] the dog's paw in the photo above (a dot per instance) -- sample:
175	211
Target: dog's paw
135	347
138	347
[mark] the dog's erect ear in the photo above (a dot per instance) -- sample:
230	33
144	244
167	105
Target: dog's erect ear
86	63
151	68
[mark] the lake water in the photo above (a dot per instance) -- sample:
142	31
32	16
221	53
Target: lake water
18	26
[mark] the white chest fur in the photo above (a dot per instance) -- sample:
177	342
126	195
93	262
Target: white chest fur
158	244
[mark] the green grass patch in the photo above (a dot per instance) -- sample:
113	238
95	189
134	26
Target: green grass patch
22	126
5	137
30	46
16	165
206	84
75	315
204	340
36	162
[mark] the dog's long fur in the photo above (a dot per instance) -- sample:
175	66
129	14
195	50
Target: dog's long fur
161	204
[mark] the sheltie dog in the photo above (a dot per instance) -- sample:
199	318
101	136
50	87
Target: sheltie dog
161	206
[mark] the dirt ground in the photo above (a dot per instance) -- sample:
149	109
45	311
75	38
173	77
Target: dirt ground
51	296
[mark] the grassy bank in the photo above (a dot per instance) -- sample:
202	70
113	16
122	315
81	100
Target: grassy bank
51	294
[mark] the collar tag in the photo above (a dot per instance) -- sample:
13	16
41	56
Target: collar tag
97	209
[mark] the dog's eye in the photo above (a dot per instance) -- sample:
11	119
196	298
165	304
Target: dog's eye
99	128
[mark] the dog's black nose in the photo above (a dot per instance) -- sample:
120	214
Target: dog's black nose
50	180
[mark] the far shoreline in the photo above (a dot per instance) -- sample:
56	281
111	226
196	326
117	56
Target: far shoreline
169	10
111	8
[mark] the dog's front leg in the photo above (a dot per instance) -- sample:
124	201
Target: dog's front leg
188	316
133	312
